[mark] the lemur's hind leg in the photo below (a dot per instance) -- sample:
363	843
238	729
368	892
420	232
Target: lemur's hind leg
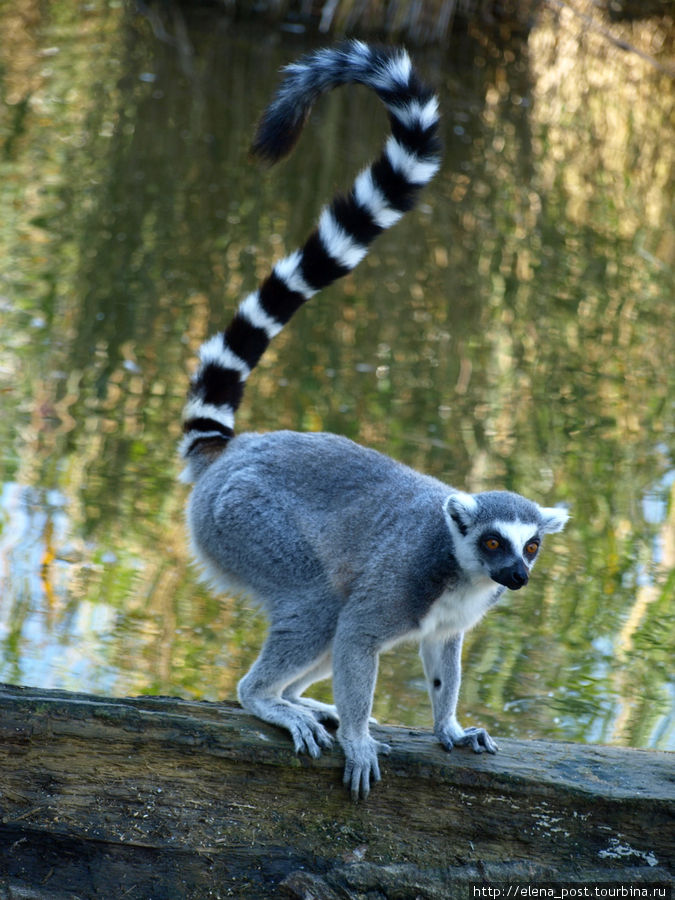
284	663
323	712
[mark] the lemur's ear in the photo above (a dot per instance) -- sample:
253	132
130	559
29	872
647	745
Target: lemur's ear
460	509
554	518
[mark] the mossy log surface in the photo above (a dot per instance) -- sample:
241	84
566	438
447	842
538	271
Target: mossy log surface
162	798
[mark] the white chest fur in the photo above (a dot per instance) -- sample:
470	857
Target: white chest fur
457	610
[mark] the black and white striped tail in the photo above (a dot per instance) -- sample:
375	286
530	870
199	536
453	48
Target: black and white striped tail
380	195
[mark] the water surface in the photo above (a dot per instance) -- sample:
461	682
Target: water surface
516	331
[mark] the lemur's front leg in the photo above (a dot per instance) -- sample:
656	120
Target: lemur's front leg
442	659
354	674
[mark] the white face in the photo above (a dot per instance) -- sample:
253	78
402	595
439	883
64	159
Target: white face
503	549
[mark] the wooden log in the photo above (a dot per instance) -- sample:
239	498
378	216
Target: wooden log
164	798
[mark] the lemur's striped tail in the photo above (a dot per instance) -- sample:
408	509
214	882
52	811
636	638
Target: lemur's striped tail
378	198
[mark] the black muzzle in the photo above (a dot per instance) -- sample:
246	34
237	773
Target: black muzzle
513	577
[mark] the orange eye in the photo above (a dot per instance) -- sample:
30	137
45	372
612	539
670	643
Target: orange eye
532	547
492	543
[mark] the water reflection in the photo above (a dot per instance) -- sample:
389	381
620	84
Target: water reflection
516	331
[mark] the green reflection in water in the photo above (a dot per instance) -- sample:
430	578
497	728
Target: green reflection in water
516	331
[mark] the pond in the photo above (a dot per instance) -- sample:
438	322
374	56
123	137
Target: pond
515	331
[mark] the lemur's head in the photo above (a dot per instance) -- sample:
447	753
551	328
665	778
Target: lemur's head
498	534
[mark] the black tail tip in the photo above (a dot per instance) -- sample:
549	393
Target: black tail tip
275	137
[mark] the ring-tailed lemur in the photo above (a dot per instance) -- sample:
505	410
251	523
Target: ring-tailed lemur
348	551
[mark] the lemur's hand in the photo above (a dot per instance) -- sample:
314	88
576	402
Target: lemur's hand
476	738
309	736
362	765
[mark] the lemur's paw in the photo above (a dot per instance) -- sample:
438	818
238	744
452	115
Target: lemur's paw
322	712
476	738
479	740
310	737
362	765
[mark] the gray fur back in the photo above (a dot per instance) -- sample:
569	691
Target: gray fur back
285	511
